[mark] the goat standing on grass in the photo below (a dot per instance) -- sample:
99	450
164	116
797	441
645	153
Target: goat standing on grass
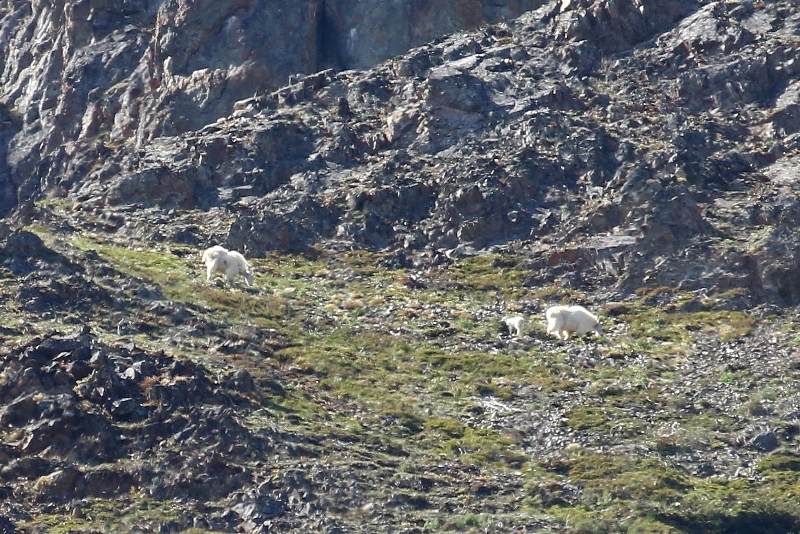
563	321
514	325
229	262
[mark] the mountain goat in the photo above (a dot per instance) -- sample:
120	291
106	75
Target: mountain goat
514	325
563	321
221	260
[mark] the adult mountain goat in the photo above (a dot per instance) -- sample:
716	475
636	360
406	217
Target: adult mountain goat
229	262
563	321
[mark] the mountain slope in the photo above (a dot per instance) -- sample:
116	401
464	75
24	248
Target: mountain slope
669	145
637	157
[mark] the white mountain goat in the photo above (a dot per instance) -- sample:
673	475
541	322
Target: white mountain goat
229	262
514	325
563	321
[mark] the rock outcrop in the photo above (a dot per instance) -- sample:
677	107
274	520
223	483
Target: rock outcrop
80	78
620	143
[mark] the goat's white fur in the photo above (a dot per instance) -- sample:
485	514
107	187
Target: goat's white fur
229	262
563	321
514	324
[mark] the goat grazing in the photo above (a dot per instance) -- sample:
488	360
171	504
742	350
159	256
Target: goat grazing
563	321
229	262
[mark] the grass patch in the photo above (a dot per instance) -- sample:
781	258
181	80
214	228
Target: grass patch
663	331
590	418
412	365
180	279
781	461
106	515
631	494
488	273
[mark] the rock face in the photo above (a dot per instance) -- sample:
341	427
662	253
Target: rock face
78	76
358	33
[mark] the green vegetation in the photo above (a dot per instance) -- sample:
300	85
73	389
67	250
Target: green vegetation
380	361
133	513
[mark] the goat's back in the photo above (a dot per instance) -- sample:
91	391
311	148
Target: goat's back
212	252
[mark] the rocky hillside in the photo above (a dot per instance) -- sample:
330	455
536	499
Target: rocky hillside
652	143
79	74
636	156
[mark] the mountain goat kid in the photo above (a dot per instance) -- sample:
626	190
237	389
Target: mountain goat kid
229	262
563	321
514	325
